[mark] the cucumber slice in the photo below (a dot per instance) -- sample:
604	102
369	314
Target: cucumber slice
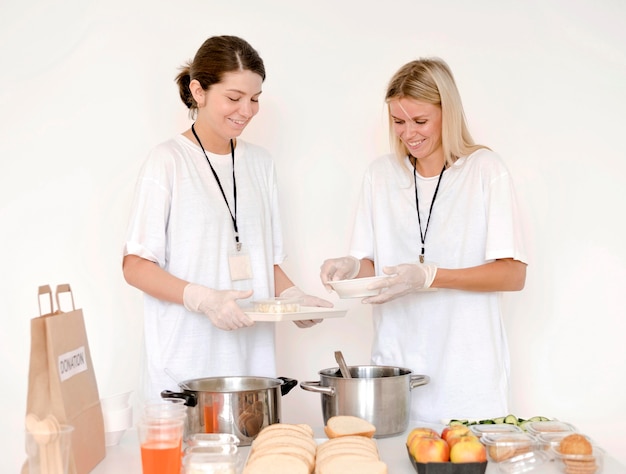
511	419
498	420
486	422
539	418
458	422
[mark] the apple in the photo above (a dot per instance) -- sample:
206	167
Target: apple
468	449
421	431
455	438
454	430
426	449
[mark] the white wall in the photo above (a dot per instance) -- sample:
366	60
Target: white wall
87	88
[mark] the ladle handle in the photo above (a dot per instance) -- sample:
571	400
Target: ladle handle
343	367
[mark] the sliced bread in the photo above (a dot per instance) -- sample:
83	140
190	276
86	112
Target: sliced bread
347	425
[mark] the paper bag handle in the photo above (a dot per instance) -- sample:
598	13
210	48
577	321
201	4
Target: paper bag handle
64	288
44	289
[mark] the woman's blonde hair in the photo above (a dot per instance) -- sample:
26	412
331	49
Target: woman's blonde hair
430	80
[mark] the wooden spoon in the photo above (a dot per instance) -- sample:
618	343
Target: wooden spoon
55	458
343	367
42	437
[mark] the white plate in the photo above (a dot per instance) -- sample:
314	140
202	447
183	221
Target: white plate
306	312
356	288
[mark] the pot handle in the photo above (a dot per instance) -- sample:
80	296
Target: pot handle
317	388
418	380
287	385
191	399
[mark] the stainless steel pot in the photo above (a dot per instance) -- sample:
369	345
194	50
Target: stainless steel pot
241	406
378	394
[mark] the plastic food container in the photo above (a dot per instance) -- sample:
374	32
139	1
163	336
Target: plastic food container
548	441
579	463
212	439
503	446
494	428
538	427
277	305
524	462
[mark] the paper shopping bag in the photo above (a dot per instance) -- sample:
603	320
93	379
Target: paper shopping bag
62	380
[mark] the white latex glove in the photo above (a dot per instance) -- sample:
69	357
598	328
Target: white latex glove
305	300
219	305
405	278
342	268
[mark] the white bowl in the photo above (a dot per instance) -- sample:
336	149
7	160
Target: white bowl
356	288
116	420
115	402
113	438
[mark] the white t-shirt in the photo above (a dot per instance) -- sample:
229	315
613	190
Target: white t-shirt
455	337
180	221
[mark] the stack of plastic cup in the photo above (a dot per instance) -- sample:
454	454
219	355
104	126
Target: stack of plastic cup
161	430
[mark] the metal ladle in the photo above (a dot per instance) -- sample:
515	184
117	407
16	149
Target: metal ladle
343	367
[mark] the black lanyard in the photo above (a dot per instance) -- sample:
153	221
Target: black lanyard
430	212
232	153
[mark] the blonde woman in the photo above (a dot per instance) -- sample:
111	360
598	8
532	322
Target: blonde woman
439	219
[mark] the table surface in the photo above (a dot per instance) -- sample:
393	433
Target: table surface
125	457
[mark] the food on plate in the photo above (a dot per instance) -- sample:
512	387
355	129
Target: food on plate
575	444
347	425
468	449
277	305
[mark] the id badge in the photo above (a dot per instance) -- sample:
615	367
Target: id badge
239	264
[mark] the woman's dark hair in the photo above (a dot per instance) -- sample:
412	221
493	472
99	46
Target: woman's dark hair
217	56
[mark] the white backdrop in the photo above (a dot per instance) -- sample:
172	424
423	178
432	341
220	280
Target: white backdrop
86	88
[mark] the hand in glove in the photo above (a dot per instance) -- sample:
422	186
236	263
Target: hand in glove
219	305
342	268
404	279
305	300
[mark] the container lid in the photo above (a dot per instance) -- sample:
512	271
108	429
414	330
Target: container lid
554	426
512	439
494	428
212	439
524	462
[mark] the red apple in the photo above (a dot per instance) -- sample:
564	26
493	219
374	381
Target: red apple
421	431
454	430
468	449
455	438
426	449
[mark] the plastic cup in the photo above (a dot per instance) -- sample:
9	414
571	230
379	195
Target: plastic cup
49	451
161	445
167	408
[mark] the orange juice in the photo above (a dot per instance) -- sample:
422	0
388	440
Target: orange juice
210	419
159	457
